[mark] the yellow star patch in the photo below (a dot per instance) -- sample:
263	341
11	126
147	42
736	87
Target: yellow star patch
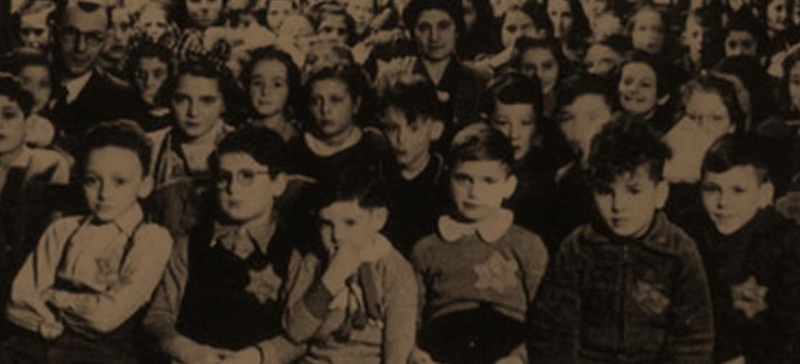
264	284
749	297
497	273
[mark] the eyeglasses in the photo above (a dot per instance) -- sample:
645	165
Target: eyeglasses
244	177
70	35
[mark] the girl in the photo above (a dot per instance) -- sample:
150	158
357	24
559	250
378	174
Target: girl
647	30
198	14
273	84
541	58
777	21
334	138
148	68
276	12
202	98
334	24
568	24
644	88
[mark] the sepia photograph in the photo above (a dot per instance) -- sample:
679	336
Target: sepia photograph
399	181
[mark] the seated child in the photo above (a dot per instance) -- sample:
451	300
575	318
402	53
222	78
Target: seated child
515	108
630	285
411	120
353	296
479	272
76	298
751	257
337	99
28	180
222	295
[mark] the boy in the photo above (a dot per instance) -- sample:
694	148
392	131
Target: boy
479	272
222	295
630	285
411	121
585	106
353	296
751	257
28	180
515	109
76	298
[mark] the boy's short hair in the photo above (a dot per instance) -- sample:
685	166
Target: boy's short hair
622	147
125	134
513	88
354	183
12	89
737	150
480	142
576	86
264	145
415	97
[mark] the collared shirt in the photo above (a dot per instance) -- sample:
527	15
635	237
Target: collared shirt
257	233
489	229
100	274
321	149
75	86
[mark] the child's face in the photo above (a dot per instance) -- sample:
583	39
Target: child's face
362	13
709	113
36	79
198	105
733	198
777	13
149	76
740	43
479	188
560	14
153	22
581	120
693	35
601	60
593	8
278	11
298	29
794	85
436	35
204	13
333	107
12	126
518	123
410	142
34	31
345	224
638	94
606	25
245	189
648	32
542	63
121	31
516	24
628	205
269	87
113	182
333	28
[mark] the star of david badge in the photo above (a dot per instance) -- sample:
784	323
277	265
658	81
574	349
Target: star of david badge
749	297
649	298
496	273
264	284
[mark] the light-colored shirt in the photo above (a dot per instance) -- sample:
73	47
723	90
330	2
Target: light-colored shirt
109	278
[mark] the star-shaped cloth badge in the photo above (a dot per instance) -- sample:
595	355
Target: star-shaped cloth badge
497	273
264	284
649	298
749	297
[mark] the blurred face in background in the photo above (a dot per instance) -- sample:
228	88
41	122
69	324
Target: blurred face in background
542	63
33	30
470	14
560	14
153	21
740	43
121	31
593	8
269	87
333	28
516	24
647	33
601	60
638	93
777	15
794	85
36	80
362	12
150	74
582	119
277	12
204	13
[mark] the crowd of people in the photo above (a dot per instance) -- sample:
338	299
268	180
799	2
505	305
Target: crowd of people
400	181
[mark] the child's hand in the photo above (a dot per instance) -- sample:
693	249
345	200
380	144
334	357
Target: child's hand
344	263
249	355
419	356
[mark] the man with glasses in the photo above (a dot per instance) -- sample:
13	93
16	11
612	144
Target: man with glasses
86	95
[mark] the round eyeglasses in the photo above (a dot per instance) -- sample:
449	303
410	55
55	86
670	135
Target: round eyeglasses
243	177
